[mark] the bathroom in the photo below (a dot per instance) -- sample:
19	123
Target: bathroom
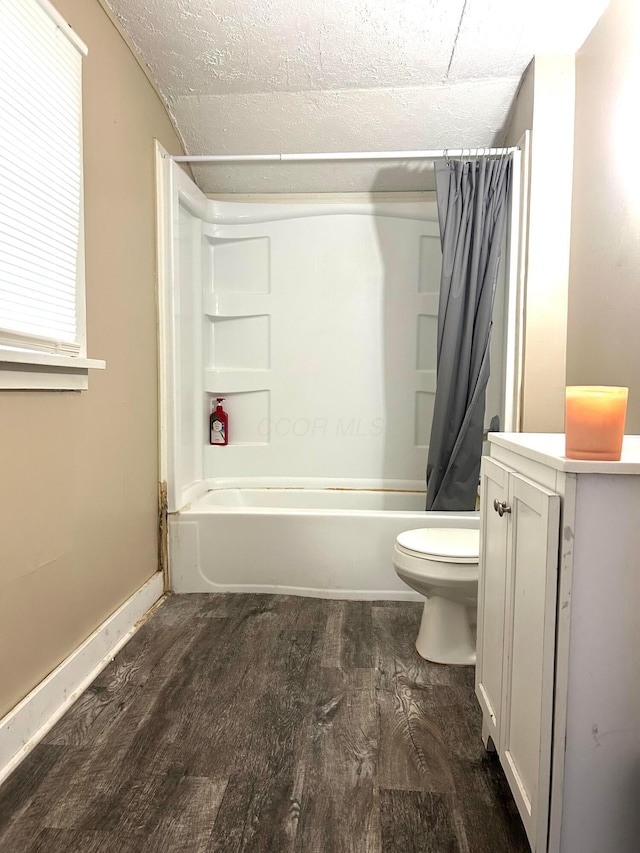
81	545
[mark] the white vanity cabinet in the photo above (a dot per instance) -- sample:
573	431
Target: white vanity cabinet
516	632
558	651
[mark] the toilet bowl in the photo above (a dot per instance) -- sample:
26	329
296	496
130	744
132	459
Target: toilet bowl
442	564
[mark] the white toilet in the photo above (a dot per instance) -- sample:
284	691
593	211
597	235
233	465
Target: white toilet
442	564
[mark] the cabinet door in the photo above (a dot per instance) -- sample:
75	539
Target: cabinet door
525	735
491	595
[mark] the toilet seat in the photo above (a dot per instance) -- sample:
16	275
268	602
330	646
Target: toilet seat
441	544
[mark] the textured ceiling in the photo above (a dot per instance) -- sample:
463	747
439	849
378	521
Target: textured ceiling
269	76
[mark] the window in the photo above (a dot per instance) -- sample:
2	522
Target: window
42	317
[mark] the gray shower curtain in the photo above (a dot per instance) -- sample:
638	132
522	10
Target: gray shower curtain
472	211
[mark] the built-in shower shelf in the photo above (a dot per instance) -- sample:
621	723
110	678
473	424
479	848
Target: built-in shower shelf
430	266
238	343
425	381
248	406
214	234
236	304
239	264
232	448
217	381
427	302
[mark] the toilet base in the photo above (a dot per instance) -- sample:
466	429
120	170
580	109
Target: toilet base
446	634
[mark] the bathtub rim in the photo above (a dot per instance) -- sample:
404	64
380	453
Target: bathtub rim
199	490
193	509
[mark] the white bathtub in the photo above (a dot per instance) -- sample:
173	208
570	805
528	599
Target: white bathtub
328	543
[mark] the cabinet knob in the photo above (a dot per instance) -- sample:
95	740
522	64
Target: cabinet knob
501	507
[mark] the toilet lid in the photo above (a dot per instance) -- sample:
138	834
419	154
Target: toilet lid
444	544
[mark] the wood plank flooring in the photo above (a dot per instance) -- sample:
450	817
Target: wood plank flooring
269	724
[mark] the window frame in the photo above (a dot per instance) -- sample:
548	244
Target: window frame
38	368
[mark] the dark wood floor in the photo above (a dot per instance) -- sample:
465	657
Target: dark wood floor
266	723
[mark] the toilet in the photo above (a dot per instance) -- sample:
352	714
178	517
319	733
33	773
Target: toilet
441	563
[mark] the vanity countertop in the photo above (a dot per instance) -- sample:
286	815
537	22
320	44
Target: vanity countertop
548	448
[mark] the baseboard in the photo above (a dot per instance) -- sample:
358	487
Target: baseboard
26	724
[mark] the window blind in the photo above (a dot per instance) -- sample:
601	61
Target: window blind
40	180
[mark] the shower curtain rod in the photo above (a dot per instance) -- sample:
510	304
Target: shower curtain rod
344	155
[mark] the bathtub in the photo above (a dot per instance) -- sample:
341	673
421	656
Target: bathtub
328	543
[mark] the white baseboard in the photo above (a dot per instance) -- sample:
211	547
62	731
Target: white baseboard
26	724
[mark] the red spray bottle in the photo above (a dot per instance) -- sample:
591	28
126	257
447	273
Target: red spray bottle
219	424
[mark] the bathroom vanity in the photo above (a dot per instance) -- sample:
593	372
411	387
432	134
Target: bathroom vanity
558	671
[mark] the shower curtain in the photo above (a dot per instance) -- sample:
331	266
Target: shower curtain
472	200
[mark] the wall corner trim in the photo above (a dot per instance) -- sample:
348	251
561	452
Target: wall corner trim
26	724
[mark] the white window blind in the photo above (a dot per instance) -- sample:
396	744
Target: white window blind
41	275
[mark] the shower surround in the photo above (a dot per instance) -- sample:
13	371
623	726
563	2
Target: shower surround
316	320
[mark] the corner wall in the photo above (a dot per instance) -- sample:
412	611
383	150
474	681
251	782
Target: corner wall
604	295
79	470
545	106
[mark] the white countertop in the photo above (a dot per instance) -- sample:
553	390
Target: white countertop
548	448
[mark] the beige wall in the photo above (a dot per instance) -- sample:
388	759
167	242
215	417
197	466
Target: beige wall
545	106
604	298
79	470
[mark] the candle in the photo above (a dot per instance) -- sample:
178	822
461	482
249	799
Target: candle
594	422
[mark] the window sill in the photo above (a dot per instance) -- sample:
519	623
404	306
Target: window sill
39	371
